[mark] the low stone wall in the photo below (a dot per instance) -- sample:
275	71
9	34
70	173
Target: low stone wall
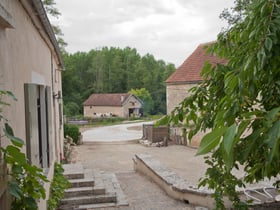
155	134
175	186
178	188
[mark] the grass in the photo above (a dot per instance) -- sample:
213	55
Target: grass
96	122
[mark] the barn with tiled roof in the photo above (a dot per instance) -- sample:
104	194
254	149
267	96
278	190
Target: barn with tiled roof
188	75
181	81
112	104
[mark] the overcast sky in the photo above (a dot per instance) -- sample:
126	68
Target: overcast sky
168	29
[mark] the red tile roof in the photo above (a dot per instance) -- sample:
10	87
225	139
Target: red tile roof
110	99
189	71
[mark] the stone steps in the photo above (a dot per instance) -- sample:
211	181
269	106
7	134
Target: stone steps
69	203
77	183
87	189
73	171
84	191
89	206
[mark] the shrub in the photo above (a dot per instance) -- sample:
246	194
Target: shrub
58	185
72	131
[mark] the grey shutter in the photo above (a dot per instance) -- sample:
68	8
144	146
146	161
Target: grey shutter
31	123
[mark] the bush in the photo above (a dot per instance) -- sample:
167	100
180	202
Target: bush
72	131
71	108
58	185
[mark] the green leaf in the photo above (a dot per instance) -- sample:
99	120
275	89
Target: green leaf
14	189
10	94
16	154
31	203
229	138
272	113
17	169
210	140
228	158
9	130
274	136
10	134
268	44
242	127
163	121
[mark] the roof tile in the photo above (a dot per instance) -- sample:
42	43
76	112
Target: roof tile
108	99
189	71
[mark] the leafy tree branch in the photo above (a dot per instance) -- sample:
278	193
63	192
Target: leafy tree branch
239	103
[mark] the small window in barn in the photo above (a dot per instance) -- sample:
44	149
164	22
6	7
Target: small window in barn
90	107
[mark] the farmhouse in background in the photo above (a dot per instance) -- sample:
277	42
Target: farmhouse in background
113	105
31	67
183	79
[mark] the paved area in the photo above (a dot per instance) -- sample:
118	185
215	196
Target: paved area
143	194
122	132
116	156
140	192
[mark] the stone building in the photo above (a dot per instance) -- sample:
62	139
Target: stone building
31	66
113	105
183	79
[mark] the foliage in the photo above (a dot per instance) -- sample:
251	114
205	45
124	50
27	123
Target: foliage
25	185
3	103
50	8
71	109
72	131
58	185
239	102
145	97
113	70
54	12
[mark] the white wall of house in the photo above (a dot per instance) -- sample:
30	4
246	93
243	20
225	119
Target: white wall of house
28	59
132	104
120	111
105	111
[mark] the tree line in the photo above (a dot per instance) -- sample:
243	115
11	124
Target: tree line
113	70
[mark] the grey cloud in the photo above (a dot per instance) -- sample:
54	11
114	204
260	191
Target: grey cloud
168	29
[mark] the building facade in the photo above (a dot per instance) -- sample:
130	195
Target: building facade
113	105
179	83
31	67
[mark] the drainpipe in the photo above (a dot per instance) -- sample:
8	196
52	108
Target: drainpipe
54	110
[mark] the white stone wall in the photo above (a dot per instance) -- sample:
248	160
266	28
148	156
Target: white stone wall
119	111
175	94
27	56
97	111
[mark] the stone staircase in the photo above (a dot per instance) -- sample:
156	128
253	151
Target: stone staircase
90	189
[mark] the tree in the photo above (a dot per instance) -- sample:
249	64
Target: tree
113	70
239	102
50	8
54	12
